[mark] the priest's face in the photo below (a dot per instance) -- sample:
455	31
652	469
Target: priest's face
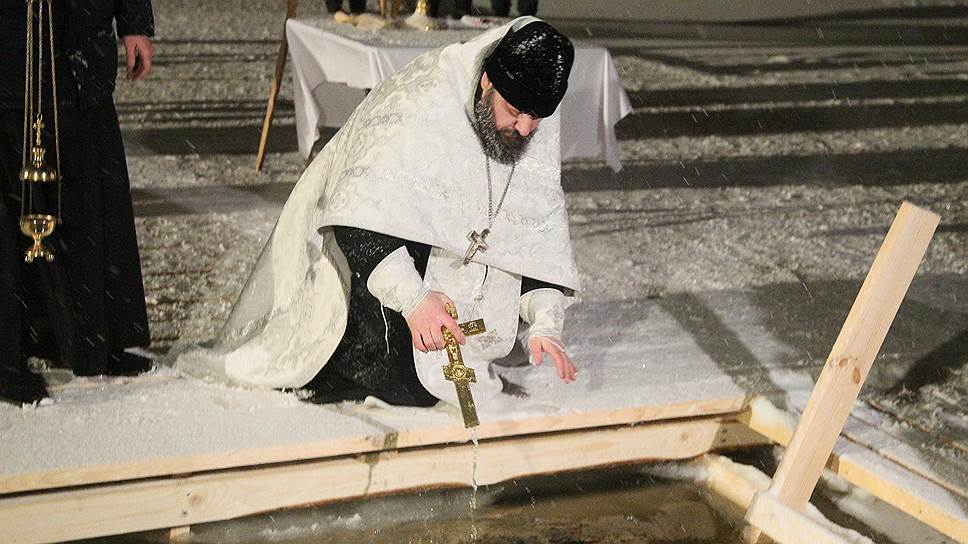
504	130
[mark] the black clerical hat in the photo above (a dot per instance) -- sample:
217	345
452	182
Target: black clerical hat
530	68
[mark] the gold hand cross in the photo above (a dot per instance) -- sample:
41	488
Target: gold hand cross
455	371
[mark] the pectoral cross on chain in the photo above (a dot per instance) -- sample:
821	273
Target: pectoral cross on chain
478	243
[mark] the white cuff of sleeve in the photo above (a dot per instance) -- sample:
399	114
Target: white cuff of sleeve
396	283
544	310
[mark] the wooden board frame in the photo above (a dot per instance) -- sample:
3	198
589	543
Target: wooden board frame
180	501
729	481
853	354
779	427
358	444
850	360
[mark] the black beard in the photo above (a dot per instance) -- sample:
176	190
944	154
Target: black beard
505	147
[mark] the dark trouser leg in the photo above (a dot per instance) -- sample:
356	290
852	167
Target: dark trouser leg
82	233
50	327
357	6
527	7
463	7
501	8
333	6
87	305
100	251
123	296
375	356
126	316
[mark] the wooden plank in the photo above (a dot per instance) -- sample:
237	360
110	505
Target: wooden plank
905	445
166	466
942	510
743	487
920	498
726	478
853	354
175	502
291	7
768	420
786	525
180	534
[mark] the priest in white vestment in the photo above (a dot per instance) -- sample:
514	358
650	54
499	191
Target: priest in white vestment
442	187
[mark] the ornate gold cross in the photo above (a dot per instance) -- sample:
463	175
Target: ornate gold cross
455	371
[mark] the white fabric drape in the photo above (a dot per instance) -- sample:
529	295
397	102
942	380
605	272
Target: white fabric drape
331	70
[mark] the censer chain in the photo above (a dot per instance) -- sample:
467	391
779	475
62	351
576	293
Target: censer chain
53	93
35	108
28	104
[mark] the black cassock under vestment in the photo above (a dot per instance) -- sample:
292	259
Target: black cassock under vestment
86	306
375	355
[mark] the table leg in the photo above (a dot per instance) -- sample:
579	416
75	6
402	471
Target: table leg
274	87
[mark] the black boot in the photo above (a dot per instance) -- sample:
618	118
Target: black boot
21	386
462	8
122	363
527	7
500	8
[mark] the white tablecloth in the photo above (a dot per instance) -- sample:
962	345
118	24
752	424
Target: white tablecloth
332	64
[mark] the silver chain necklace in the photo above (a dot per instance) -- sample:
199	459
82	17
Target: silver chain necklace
478	240
491	212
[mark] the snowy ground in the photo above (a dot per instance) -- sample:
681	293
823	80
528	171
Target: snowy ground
763	166
760	177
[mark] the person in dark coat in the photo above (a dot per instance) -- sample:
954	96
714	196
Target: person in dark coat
499	8
83	309
356	6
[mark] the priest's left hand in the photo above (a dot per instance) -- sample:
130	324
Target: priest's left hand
539	345
138	52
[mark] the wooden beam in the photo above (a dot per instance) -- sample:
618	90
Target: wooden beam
291	7
180	534
732	481
851	358
743	486
786	525
905	446
175	502
357	444
853	354
937	507
910	493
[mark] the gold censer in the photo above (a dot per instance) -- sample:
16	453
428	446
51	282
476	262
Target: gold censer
421	19
37	219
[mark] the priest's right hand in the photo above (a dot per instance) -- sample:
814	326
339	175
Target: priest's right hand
426	319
